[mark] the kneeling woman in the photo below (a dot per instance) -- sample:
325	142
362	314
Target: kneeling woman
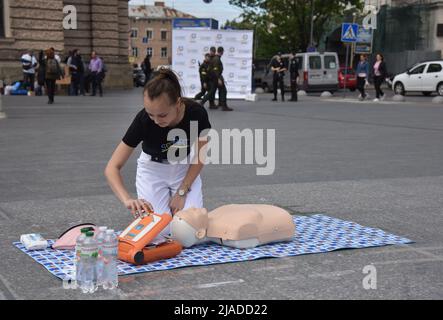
161	186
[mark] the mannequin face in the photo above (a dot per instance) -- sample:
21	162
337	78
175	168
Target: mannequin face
189	226
182	232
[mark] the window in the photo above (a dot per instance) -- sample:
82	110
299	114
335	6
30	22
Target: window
134	33
418	70
330	62
150	52
135	52
2	20
164	35
315	62
434	68
164	53
300	62
439	30
149	34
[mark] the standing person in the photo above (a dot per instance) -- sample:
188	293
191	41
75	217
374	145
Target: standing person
221	85
77	70
212	81
80	72
278	67
203	71
96	68
362	72
147	68
380	73
41	72
293	71
162	186
74	70
29	64
52	74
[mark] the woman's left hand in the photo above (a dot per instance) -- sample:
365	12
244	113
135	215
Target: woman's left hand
177	203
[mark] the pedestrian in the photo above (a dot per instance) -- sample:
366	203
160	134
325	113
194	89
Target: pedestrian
380	72
96	68
53	72
57	57
147	68
203	71
278	67
76	69
162	185
41	73
212	80
293	72
362	72
222	91
29	64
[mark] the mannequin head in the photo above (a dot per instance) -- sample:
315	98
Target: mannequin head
189	226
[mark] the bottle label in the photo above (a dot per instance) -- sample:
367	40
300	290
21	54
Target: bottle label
89	252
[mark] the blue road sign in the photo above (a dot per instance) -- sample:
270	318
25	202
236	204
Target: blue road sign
349	32
311	48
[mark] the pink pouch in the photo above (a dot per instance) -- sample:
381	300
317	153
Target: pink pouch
68	239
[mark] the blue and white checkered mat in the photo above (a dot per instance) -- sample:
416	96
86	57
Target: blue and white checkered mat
315	234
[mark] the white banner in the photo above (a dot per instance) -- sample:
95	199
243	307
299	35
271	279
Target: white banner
189	47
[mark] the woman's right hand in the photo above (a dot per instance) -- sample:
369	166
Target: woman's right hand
138	207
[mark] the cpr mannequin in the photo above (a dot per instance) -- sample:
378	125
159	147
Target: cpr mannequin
234	225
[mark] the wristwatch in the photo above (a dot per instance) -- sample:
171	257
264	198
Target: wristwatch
182	192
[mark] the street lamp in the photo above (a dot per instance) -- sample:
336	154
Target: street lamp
311	41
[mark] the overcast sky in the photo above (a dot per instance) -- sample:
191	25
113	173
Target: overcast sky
217	9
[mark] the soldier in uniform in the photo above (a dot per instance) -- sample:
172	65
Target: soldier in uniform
203	70
211	81
278	67
222	92
293	71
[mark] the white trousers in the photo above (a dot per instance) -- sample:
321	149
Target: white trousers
158	182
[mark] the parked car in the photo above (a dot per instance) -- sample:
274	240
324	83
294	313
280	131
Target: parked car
425	77
138	77
351	79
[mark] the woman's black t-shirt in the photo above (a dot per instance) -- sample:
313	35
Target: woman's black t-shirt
154	138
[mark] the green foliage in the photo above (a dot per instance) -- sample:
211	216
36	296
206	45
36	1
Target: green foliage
284	25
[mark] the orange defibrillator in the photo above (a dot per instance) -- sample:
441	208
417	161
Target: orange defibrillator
135	241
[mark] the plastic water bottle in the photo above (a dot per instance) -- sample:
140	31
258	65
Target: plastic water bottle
88	262
100	237
78	245
110	250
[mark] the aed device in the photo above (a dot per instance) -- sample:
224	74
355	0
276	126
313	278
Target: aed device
135	241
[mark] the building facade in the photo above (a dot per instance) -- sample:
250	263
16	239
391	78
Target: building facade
102	25
151	33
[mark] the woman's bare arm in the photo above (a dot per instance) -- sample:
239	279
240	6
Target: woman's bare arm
115	180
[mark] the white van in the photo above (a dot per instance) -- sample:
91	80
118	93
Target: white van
318	71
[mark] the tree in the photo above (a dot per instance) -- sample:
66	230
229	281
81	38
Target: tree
285	25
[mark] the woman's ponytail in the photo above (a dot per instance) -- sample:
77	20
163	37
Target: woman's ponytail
164	81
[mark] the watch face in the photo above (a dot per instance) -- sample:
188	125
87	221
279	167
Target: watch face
181	192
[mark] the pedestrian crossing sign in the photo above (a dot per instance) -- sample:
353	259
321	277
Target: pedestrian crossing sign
349	32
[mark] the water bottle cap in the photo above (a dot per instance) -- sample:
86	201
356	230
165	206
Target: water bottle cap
89	234
102	228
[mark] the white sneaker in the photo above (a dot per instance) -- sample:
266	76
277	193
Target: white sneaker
376	100
383	97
